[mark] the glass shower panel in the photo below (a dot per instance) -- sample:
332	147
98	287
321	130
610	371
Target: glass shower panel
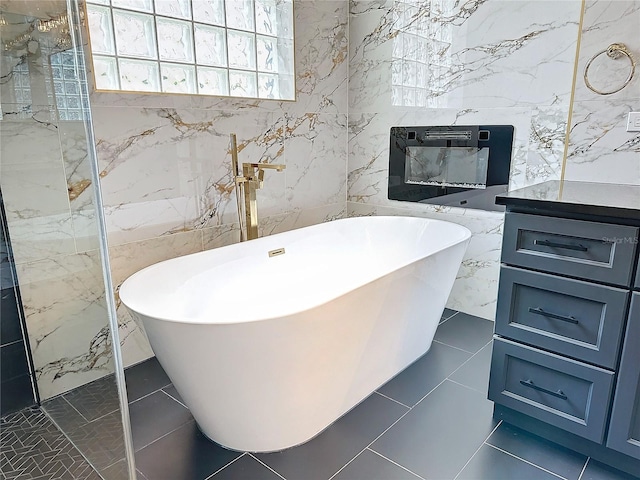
52	218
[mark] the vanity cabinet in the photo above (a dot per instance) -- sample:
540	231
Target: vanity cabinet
624	430
566	353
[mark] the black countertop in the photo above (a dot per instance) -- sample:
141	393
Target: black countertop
603	199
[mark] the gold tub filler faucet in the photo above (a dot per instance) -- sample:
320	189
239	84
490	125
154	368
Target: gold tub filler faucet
248	183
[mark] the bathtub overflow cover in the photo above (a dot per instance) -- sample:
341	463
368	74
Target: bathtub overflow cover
276	252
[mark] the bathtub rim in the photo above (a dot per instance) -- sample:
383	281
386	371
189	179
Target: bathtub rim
190	321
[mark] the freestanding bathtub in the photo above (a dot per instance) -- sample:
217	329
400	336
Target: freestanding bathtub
267	351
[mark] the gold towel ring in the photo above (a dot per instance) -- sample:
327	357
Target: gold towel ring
615	51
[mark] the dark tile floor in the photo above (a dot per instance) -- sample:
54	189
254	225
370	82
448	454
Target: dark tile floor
432	421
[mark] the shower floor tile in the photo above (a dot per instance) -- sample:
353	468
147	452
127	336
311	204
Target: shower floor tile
32	447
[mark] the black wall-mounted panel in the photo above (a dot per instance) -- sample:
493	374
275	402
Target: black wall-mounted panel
455	165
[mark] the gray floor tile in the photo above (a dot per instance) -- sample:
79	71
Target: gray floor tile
173	393
439	435
145	378
492	464
155	416
371	466
418	379
246	467
325	454
538	451
466	332
61	411
475	373
95	399
117	471
598	471
184	454
447	313
101	441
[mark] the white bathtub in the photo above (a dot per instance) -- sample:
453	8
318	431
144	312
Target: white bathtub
268	351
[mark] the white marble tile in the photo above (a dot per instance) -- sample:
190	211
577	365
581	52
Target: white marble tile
67	322
546	144
478	54
41	237
606	22
129	258
165	171
600	148
220	236
316	154
34	187
475	288
321	54
301	218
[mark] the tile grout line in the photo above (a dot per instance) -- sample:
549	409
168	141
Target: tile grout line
448	318
131	402
387	429
584	467
392	399
477	450
346	464
466	386
174	399
162	436
457	348
262	463
225	466
73	406
466	361
395	463
523	460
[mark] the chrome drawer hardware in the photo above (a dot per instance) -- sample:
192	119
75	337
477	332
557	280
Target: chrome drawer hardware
547	243
530	384
555	316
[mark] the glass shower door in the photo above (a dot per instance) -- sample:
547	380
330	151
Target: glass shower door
54	220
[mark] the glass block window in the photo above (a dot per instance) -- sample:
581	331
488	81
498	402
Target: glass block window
63	90
238	48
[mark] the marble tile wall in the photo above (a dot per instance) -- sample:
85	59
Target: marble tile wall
165	163
441	62
600	148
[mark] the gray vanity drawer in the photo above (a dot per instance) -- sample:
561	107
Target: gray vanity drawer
597	251
565	393
571	317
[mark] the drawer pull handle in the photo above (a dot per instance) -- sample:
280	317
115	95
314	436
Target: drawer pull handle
539	311
530	384
568	246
